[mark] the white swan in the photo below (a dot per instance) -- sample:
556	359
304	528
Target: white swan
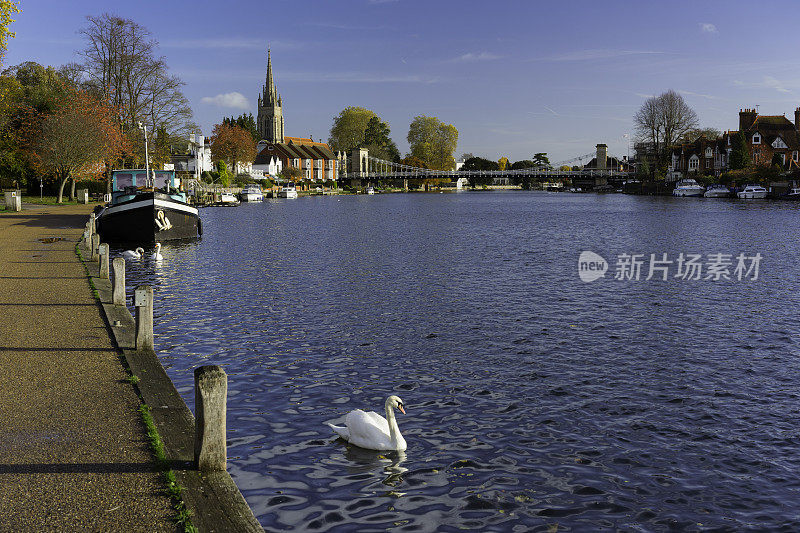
157	254
372	431
133	254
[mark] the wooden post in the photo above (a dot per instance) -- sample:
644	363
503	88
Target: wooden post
103	252
95	246
210	395
92	227
143	301
118	296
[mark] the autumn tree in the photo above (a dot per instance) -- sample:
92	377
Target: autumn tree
502	163
662	121
7	8
232	144
433	141
414	162
75	139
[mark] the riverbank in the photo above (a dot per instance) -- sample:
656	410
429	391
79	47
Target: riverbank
74	455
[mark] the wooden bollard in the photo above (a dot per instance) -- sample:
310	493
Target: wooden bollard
210	397
143	301
95	247
103	252
92	223
118	295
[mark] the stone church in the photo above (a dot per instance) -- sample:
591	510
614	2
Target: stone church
270	109
276	151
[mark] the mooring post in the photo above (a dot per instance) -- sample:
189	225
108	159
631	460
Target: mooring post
143	301
210	395
95	247
103	252
92	219
118	295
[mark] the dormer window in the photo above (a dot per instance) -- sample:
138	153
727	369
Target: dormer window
709	152
756	138
778	143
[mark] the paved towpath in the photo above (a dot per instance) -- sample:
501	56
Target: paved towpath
73	453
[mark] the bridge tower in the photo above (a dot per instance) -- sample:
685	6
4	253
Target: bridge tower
602	156
270	109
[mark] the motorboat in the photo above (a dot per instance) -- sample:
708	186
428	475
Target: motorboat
147	209
370	190
717	190
228	198
752	192
288	192
793	194
251	193
688	187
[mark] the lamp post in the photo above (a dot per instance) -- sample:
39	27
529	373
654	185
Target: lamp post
143	127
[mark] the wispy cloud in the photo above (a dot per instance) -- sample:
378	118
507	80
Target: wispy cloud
707	27
472	57
356	77
551	111
230	43
767	82
235	100
691	93
596	53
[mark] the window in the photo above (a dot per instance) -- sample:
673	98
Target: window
709	152
694	163
756	138
794	156
708	163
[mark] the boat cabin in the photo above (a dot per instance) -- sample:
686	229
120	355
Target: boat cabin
125	184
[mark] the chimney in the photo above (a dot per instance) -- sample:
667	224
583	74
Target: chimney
746	119
797	118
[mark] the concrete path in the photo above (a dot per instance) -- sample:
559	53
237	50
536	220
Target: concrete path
73	453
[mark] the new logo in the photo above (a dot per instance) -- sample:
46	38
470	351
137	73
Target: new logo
591	266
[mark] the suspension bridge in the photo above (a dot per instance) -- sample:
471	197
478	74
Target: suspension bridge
363	167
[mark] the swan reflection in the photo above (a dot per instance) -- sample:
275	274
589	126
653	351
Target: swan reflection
388	462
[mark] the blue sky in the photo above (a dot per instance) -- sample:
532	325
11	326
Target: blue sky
515	78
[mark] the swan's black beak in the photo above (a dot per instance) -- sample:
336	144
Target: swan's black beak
400	406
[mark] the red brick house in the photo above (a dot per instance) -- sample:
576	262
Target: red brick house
771	135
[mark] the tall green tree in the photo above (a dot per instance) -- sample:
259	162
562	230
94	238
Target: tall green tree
541	160
433	141
378	141
246	122
740	155
347	131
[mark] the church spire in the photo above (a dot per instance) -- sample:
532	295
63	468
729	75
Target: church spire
270	95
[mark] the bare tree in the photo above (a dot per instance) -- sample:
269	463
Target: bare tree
120	62
662	121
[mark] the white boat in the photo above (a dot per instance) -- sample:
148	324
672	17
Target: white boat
370	190
287	192
752	192
793	194
717	191
228	198
251	193
688	187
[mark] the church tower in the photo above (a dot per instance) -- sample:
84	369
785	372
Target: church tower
270	109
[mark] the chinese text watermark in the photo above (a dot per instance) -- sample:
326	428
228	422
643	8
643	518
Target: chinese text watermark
684	266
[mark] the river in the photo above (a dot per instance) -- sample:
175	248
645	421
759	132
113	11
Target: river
534	399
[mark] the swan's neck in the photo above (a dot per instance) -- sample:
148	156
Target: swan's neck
394	431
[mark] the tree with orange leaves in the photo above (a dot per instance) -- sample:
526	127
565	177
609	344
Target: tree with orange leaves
232	144
75	139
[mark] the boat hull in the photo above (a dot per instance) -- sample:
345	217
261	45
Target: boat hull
136	220
250	197
688	192
759	195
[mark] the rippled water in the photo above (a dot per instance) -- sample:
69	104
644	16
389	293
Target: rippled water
533	399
